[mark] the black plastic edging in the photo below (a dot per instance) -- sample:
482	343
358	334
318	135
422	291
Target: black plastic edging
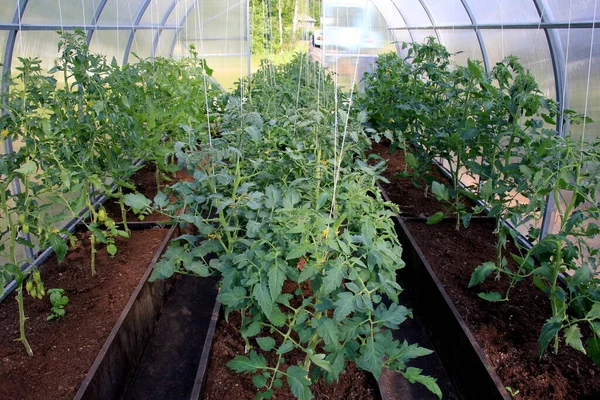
471	373
206	350
391	385
115	364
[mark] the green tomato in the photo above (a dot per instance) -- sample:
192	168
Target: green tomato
25	228
21	218
29	286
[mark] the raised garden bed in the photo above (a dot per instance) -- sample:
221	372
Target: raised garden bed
65	349
224	342
507	332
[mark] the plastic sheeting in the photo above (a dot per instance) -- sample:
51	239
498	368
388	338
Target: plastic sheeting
122	28
558	40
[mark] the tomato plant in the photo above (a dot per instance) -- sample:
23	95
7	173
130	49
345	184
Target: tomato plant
308	264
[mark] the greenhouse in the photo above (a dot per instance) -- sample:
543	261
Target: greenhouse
329	199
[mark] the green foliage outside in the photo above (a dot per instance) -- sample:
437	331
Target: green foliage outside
267	37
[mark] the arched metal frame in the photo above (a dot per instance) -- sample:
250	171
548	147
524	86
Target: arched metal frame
546	23
21	5
486	62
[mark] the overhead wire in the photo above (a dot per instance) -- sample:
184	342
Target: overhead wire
338	163
589	75
199	37
565	73
133	31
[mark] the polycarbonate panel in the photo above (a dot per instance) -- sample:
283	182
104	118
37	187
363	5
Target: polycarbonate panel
530	46
503	11
165	43
463	41
413	12
354	28
142	44
402	36
448	12
419	36
156	11
573	10
111	43
7	13
180	11
228	70
578	85
389	13
224	26
215	27
120	12
59	12
40	44
229	46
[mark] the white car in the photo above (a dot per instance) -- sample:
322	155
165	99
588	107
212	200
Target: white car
317	39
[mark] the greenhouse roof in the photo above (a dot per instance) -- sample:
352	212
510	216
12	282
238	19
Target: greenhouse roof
119	28
556	39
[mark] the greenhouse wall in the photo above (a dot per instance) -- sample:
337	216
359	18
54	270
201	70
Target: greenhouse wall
558	41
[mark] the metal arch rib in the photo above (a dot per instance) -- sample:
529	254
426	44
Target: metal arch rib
10	44
7	65
136	22
95	20
412	38
428	12
8	55
163	22
557	56
486	62
558	66
387	22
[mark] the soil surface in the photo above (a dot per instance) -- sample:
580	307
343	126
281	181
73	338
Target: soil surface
65	349
169	365
507	332
221	382
402	191
145	179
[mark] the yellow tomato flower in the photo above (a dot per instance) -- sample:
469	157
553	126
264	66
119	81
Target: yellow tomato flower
325	232
5	133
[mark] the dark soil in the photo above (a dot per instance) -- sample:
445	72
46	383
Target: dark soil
402	191
145	179
169	365
223	383
65	349
507	332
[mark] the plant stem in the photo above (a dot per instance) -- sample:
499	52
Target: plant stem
123	212
22	319
93	218
553	282
19	278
